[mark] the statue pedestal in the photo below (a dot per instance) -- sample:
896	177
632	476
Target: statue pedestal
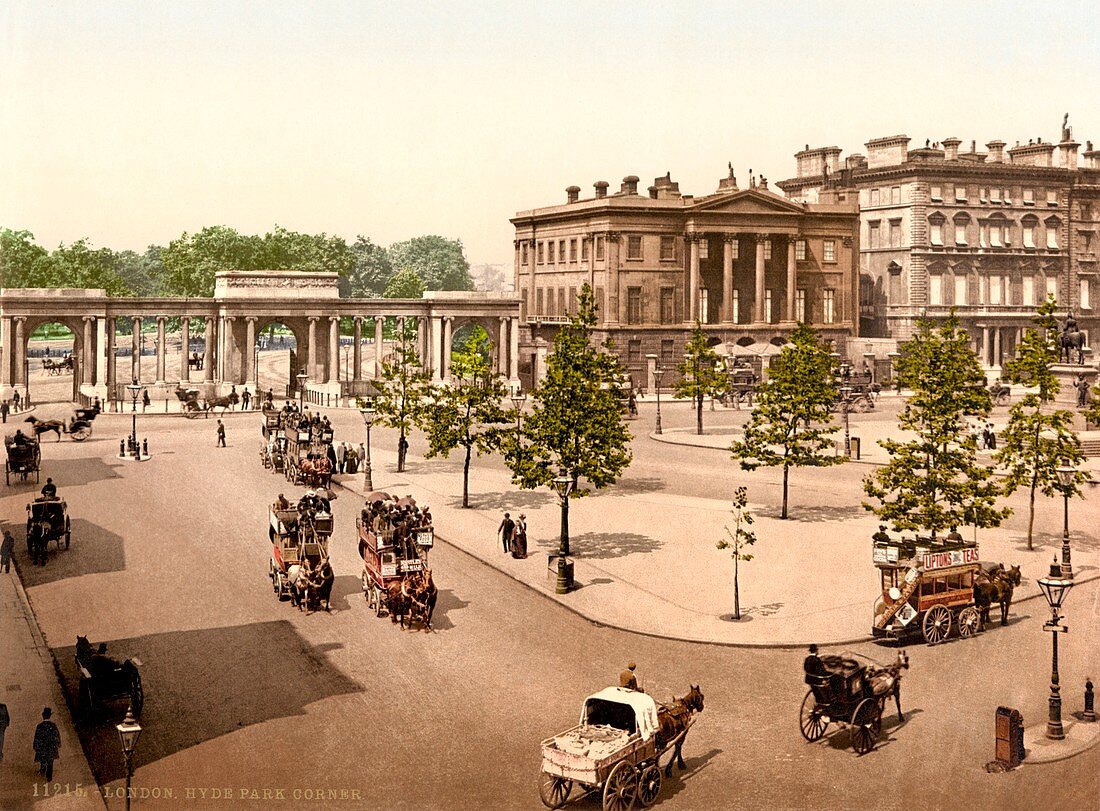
1067	375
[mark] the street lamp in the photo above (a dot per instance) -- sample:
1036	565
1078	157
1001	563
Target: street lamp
347	362
368	413
563	485
1055	587
302	378
845	395
658	375
518	400
135	390
1067	475
256	367
128	733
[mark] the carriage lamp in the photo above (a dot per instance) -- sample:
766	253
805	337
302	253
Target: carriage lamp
128	733
368	413
135	390
658	374
302	378
1055	587
563	484
1067	475
518	400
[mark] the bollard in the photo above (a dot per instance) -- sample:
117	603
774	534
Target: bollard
122	447
1090	712
145	446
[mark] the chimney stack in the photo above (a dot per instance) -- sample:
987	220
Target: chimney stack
653	192
630	185
996	151
601	189
572	194
951	149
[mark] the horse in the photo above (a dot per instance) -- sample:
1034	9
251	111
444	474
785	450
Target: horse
398	602
888	679
1073	340
37	545
423	598
673	721
45	426
995	586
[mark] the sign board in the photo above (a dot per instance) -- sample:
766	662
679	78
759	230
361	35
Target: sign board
905	614
389	570
885	553
945	560
412	565
425	538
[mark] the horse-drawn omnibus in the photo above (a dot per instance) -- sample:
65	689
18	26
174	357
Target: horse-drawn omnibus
295	537
384	565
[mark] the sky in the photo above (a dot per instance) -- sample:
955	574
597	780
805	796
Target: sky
129	123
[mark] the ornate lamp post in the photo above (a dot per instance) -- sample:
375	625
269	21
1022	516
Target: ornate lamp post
347	362
1066	475
256	367
1055	587
563	486
658	376
845	399
128	733
517	401
302	378
368	413
135	390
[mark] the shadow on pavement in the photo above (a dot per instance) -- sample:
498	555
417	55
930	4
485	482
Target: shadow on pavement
596	545
344	588
692	766
511	500
93	550
200	685
815	515
635	486
445	603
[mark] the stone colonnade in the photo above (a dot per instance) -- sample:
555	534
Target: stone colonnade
729	239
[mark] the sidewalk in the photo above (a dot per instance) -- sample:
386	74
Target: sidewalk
1080	737
29	684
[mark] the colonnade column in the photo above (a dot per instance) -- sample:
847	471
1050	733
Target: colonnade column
161	354
19	353
6	344
996	346
693	279
379	325
333	350
251	364
185	347
225	337
792	276
513	351
135	349
112	361
727	278
101	351
208	352
87	356
311	353
758	308
502	347
437	350
447	347
357	351
985	346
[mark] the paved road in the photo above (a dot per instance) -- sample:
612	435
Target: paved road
169	563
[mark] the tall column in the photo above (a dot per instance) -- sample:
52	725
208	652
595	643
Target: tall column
357	351
693	279
311	350
87	355
208	351
379	325
614	255
112	360
19	353
333	350
437	351
6	344
185	346
513	350
996	346
792	276
160	349
135	349
447	347
225	350
758	309
252	372
502	347
101	351
727	278
985	346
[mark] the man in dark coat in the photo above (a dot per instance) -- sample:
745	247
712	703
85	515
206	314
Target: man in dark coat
627	679
5	719
47	743
7	551
814	667
221	435
505	530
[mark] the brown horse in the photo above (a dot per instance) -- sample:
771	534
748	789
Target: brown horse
672	724
995	587
45	426
423	596
397	602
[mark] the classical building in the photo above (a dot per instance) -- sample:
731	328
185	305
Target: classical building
746	263
991	233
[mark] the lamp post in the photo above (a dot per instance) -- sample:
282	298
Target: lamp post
347	362
302	378
658	375
128	733
1066	474
563	485
26	383
517	401
135	390
845	395
256	366
1055	587
368	413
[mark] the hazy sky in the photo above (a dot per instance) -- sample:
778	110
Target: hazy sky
128	123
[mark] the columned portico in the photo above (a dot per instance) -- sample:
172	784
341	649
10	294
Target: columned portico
758	314
160	350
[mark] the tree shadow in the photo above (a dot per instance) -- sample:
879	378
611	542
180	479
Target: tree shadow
638	485
510	501
597	545
92	550
193	684
343	588
813	514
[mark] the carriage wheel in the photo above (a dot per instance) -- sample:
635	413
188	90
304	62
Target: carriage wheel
621	787
867	716
970	622
137	693
554	790
379	604
936	624
81	433
812	720
649	784
68	538
280	585
84	700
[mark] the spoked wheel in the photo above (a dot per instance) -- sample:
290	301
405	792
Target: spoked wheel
649	784
812	720
68	538
865	719
81	433
366	590
970	622
621	788
554	790
936	625
191	413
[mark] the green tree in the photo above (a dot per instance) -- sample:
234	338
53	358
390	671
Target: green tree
191	261
701	374
402	387
737	540
933	482
1038	437
22	260
404	284
78	265
791	425
440	263
282	249
142	273
370	272
467	412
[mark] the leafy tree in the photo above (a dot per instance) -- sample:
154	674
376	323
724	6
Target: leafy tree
933	482
191	261
370	272
78	265
22	260
311	253
402	387
701	374
738	540
467	413
142	273
1038	438
791	425
440	263
404	284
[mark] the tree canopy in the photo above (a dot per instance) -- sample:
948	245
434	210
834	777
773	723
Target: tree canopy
440	263
404	284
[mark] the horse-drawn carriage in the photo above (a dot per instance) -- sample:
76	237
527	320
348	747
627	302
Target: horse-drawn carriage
296	537
103	679
851	690
616	748
58	367
741	382
273	453
193	405
47	520
858	388
396	579
24	457
301	443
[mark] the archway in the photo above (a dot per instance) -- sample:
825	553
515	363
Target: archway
278	356
53	352
468	335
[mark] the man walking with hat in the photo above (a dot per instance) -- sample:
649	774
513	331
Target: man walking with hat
47	742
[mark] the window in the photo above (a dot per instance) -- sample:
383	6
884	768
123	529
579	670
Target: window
983	194
983	234
572	300
633	305
538	301
667	348
599	249
935	288
523	253
634	351
523	305
1052	286
873	230
960	194
1052	233
540	253
1029	197
960	289
1029	233
735	244
561	251
895	195
633	247
1052	197
828	250
550	252
960	229
599	304
735	310
936	193
1086	302
799	250
668	249
996	228
767	250
800	305
704	248
895	233
561	301
996	290
994	195
874	197
584	250
1008	197
827	312
668	305
704	305
1029	289
935	231
768	306
573	250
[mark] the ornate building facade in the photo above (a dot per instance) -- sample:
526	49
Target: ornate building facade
746	263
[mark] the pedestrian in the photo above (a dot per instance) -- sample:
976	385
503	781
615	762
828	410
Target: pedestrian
234	398
5	719
47	742
145	400
246	399
5	409
519	538
7	551
16	399
991	437
505	531
221	435
340	451
362	457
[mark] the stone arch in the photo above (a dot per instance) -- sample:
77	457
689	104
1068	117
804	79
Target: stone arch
492	329
276	372
41	386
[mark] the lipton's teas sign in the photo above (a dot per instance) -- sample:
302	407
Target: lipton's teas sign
945	560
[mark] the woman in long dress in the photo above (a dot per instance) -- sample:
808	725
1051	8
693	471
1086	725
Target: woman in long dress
519	538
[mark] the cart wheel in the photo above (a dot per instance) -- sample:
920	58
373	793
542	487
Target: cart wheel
936	624
621	787
649	784
554	790
280	588
82	433
864	720
969	621
812	720
377	600
68	538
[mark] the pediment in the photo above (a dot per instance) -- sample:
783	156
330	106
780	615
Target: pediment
748	201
